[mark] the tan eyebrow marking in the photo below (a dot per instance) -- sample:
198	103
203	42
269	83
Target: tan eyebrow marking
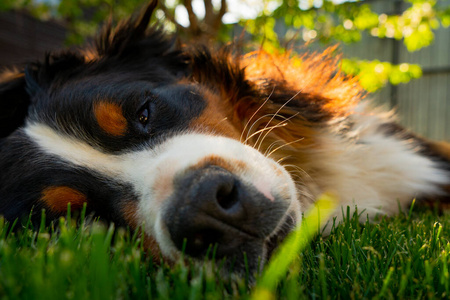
110	118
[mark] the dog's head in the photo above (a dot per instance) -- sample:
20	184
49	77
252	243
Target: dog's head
178	139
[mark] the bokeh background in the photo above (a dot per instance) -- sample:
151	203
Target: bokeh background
399	49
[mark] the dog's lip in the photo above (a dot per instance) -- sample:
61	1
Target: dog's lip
276	238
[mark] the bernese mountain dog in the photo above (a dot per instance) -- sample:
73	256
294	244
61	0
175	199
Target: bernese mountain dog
201	147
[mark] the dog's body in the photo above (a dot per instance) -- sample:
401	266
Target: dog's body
199	145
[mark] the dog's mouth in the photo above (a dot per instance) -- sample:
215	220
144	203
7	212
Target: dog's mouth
278	237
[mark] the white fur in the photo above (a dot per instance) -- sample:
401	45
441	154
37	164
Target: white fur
367	168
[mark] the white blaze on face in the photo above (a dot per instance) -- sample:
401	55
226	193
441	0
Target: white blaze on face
184	151
151	171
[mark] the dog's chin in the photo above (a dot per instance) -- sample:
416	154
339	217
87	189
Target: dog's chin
248	263
279	235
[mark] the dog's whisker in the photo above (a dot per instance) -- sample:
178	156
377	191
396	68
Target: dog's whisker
267	128
295	168
267	133
281	124
302	173
283	159
254	123
254	114
270	147
277	113
221	121
287	144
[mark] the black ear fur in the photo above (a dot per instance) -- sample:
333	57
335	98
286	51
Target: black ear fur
17	88
56	68
133	37
14	102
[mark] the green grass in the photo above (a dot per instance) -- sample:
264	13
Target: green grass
402	257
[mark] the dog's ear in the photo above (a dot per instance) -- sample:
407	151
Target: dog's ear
14	101
19	87
57	68
133	38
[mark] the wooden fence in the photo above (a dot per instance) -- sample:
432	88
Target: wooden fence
422	105
24	38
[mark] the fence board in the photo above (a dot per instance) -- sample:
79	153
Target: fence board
23	38
423	105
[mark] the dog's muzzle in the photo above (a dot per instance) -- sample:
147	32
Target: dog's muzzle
213	211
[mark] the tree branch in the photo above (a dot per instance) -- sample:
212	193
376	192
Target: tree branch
169	16
192	17
209	12
222	11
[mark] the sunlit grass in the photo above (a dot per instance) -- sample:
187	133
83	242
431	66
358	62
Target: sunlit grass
403	257
295	243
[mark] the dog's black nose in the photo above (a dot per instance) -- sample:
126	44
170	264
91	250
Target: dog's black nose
214	207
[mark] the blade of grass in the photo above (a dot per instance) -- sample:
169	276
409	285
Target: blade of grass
386	283
294	244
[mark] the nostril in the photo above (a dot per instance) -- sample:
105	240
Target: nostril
227	195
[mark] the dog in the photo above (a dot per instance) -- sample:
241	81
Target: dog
202	147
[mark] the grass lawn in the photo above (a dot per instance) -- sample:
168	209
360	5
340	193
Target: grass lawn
402	257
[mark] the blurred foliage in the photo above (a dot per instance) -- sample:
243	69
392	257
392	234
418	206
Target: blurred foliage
278	23
328	22
345	22
373	75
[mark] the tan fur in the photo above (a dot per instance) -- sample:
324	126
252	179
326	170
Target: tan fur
217	117
10	74
441	147
57	198
234	166
110	118
316	74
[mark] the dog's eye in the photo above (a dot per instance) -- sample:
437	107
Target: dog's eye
144	115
